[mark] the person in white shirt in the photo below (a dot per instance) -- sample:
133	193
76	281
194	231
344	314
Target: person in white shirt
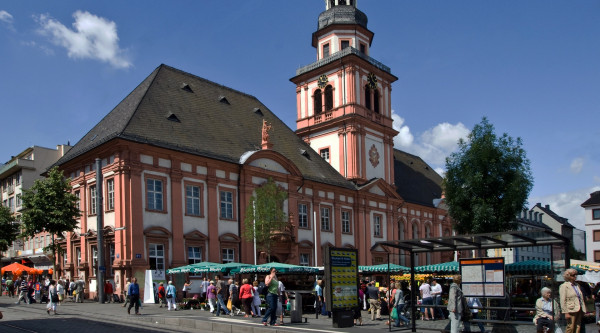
280	301
436	292
425	290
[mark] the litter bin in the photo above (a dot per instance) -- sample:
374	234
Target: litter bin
296	310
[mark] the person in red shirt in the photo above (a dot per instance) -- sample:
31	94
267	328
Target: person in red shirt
161	295
108	291
247	295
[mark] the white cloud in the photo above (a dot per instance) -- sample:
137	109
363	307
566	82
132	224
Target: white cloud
577	165
433	145
567	204
92	37
7	19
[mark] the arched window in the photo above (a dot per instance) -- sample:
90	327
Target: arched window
318	101
376	101
368	97
428	254
328	98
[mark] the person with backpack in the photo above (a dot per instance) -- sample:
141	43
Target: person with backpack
53	297
161	295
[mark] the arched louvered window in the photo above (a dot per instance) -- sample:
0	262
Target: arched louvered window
368	97
318	101
376	100
328	98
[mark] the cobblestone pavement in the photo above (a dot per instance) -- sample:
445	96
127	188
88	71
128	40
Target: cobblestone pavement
90	317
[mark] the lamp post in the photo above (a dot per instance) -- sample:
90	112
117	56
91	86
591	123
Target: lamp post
100	232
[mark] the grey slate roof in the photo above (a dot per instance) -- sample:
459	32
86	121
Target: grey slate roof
342	15
416	182
552	214
593	200
207	119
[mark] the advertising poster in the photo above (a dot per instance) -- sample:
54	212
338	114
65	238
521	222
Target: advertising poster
343	267
482	277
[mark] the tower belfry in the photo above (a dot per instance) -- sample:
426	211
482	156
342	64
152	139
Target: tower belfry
344	98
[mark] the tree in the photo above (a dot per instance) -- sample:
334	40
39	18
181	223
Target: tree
265	215
487	181
9	229
50	206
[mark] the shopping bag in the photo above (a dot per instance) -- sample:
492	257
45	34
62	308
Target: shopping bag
229	304
394	314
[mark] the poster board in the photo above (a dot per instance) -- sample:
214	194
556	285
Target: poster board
482	277
341	278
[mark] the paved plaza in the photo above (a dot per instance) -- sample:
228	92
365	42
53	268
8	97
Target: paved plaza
92	317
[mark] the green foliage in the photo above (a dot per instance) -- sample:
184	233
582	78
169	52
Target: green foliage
50	206
487	181
9	230
266	216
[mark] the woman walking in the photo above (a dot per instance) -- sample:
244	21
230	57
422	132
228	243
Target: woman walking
255	300
171	297
247	296
53	297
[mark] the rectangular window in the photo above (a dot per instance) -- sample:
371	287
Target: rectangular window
18	201
93	195
11	205
110	194
77	203
595	214
346	221
596	235
111	253
94	258
326	50
345	44
228	255
194	255
324	154
157	256
192	200
303	216
78	254
325	224
304	259
18	179
597	256
377	225
226	205
363	48
154	191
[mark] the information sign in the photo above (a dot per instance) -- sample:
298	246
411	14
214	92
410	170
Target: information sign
482	277
343	278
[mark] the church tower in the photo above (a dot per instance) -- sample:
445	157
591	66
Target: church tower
344	98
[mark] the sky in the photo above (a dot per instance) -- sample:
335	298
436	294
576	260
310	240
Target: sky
531	67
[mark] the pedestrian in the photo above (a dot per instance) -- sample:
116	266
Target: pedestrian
125	293
474	306
161	295
60	289
272	283
108	291
23	292
358	310
222	294
10	287
255	300
571	301
247	296
186	287
399	304
73	290
596	294
374	302
211	296
52	296
436	293
133	292
205	284
455	304
547	311
319	301
171	297
427	299
234	296
281	301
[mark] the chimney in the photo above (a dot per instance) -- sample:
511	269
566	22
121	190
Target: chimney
548	207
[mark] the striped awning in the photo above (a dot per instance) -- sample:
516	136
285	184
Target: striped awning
384	268
445	267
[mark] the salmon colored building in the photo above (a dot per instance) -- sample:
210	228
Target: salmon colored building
181	157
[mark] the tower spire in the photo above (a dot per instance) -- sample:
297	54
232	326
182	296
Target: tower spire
333	3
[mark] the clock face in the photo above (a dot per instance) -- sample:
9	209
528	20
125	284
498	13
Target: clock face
372	79
322	81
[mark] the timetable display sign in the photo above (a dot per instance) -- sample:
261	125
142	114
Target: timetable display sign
342	278
482	277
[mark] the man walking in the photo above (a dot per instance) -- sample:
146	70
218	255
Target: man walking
171	297
134	296
374	302
222	293
455	304
23	291
571	301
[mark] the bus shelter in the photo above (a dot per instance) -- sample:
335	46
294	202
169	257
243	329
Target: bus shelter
485	241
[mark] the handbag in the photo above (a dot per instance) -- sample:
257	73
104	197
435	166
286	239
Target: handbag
394	314
229	304
54	298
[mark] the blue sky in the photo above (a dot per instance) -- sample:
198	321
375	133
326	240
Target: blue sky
532	67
